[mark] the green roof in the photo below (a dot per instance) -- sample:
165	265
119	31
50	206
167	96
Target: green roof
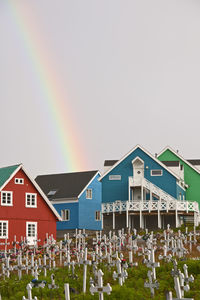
6	172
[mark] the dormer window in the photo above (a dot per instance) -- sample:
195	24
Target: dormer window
19	181
156	172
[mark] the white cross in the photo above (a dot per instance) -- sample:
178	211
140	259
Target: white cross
121	274
152	264
100	289
152	285
29	290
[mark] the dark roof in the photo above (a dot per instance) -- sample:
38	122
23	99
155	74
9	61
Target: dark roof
109	163
194	162
65	185
170	163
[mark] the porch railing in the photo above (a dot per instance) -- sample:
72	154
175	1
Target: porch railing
139	205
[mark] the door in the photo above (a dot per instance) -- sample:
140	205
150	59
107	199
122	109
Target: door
138	171
31	232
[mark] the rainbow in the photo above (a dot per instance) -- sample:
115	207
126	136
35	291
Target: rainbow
67	139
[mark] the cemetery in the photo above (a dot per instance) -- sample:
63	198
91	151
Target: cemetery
123	264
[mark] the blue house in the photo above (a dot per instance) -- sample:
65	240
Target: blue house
76	197
139	191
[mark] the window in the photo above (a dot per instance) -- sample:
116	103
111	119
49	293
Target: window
3	229
31	200
89	194
98	215
19	181
156	172
65	214
51	193
6	198
115	177
31	229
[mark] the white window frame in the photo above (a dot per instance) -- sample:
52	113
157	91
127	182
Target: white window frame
19	180
30	205
1	236
98	215
31	223
161	174
11	194
63	214
89	194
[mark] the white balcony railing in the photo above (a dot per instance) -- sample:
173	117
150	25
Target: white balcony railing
154	189
139	205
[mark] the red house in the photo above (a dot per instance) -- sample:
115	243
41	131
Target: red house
25	211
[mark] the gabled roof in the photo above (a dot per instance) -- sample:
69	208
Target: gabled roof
65	185
145	151
109	163
181	157
7	173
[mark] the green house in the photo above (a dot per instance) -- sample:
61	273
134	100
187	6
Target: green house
190	169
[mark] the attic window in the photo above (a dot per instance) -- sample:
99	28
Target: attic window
19	181
89	194
156	172
51	193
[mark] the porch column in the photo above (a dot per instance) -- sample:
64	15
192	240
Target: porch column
176	215
159	216
150	192
142	192
141	216
102	221
127	209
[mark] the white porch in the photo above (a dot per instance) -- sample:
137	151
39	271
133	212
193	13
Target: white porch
144	207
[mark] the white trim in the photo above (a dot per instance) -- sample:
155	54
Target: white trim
31	194
181	186
88	192
4	237
64	210
32	239
96	219
37	188
97	173
137	158
149	154
157	174
180	156
11	198
63	201
19	179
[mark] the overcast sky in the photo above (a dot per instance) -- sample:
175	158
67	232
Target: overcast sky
130	71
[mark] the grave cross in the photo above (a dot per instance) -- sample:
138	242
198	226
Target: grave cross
6	268
85	262
177	286
29	290
151	285
100	289
20	267
121	273
152	264
187	278
53	285
170	297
